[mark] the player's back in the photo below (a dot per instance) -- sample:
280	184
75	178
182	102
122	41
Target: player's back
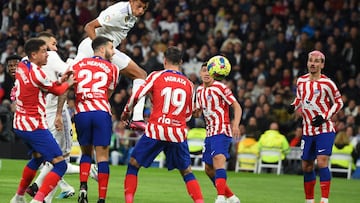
94	77
172	95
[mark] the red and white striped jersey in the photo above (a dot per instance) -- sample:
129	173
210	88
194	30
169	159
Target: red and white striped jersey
317	97
214	101
94	77
172	104
31	86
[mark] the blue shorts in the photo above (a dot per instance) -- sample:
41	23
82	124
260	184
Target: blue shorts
317	145
214	145
93	128
177	154
41	141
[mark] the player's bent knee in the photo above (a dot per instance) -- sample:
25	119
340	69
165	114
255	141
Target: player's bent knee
60	168
133	162
186	171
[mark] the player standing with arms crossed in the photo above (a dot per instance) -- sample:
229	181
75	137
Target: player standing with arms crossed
96	79
172	100
213	99
319	99
31	86
114	23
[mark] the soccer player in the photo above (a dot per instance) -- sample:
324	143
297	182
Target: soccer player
114	23
172	99
213	99
319	99
58	119
96	79
30	124
11	65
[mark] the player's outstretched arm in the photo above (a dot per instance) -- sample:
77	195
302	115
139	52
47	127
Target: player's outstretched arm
90	28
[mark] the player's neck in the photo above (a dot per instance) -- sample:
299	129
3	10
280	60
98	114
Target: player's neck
36	63
208	84
172	67
315	76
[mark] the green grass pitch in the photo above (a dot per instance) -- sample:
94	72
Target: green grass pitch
162	186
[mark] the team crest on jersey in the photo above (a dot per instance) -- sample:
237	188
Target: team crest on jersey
127	18
316	91
209	97
107	18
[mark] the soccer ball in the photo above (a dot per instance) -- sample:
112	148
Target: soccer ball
219	67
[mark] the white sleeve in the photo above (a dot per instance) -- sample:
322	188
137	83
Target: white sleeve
55	66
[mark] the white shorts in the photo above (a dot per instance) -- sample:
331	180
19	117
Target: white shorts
63	138
85	50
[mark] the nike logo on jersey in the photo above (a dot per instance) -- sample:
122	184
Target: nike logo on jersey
321	150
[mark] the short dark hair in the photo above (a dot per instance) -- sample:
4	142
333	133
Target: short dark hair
145	1
12	57
204	64
46	34
99	41
174	55
33	45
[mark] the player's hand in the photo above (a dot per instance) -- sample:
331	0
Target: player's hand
71	80
65	76
317	121
236	132
125	116
59	125
291	109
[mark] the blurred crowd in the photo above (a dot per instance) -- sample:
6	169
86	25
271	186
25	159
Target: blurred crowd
266	41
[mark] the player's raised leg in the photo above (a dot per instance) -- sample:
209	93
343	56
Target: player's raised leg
131	70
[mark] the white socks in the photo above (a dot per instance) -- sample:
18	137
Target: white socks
324	200
50	196
138	113
47	167
71	168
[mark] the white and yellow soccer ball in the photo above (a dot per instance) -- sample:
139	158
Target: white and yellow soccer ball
219	67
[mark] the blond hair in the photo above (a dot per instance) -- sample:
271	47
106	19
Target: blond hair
342	138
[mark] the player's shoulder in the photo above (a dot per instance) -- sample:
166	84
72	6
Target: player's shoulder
119	8
325	79
52	54
218	84
303	78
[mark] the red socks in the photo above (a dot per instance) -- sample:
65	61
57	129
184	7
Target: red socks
309	189
194	190
325	188
50	182
220	184
27	176
228	192
84	171
130	185
103	179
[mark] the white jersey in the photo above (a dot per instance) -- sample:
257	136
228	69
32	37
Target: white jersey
116	21
54	68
